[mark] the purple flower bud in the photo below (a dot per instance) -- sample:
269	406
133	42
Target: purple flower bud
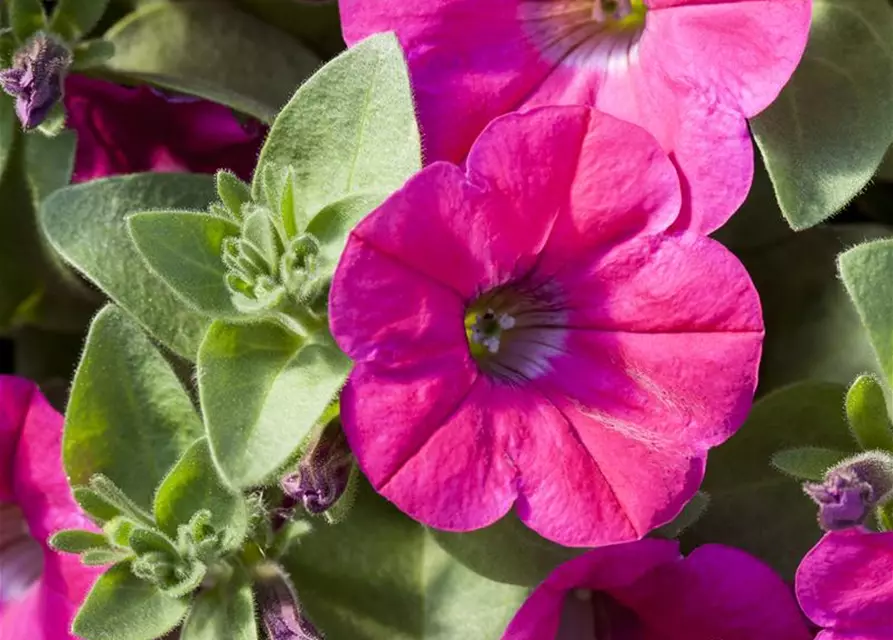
35	78
852	489
280	610
323	473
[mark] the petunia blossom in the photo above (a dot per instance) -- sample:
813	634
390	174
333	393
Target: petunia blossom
127	130
647	591
691	72
526	332
845	585
40	590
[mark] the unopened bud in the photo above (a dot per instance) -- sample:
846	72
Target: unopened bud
324	471
852	489
280	610
35	78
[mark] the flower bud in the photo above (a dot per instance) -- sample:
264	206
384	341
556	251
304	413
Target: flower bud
852	489
280	610
324	471
35	78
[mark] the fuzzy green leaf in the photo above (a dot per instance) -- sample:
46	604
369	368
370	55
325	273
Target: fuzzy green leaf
333	224
866	410
807	463
128	417
94	505
77	541
756	507
73	19
120	606
233	192
86	223
224	612
213	50
378	574
183	249
26	17
194	484
263	389
866	271
351	128
825	135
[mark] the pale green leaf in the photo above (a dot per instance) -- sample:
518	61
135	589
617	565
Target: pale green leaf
378	574
128	417
752	505
213	50
26	17
333	224
194	484
183	249
87	224
351	128
262	390
77	541
866	271
224	612
866	410
807	463
825	135
73	19
120	606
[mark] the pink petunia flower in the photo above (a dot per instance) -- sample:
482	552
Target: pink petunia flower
689	71
646	591
128	130
40	590
845	585
528	333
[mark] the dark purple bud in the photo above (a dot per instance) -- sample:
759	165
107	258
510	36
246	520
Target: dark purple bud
852	489
35	78
323	472
280	610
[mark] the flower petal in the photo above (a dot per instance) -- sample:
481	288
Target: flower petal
15	400
732	63
490	67
716	592
601	570
846	583
382	310
456	477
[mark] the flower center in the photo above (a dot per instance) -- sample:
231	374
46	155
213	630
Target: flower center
594	615
21	557
514	333
597	33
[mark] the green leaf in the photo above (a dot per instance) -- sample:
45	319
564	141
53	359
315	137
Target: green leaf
128	417
691	513
333	224
145	541
94	505
812	330
103	557
866	410
825	135
262	390
91	54
77	541
351	128
233	192
183	249
378	575
73	19
212	50
120	606
224	612
315	23
752	505
26	17
86	223
866	271
194	484
807	463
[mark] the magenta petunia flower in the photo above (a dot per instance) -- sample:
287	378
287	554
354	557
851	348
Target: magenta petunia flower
128	130
689	71
528	333
40	590
845	585
646	591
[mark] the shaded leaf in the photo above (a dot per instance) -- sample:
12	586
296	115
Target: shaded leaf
807	463
224	612
866	411
73	19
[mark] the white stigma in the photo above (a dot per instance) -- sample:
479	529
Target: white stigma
488	327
